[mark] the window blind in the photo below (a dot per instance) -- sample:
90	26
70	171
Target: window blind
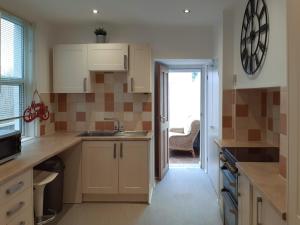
12	72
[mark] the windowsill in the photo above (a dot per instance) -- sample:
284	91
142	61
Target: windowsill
26	139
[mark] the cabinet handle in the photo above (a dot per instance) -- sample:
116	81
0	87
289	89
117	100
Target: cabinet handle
125	62
115	150
16	209
15	188
259	201
84	84
121	151
22	223
131	83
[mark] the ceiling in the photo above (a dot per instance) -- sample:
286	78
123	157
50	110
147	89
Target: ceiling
148	12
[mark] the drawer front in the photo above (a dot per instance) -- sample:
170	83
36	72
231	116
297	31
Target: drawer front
17	206
15	186
25	218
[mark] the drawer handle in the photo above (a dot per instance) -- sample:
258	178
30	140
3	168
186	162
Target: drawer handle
131	84
259	201
16	209
115	150
125	62
15	188
121	151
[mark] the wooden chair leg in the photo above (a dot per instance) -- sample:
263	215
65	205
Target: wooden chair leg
193	153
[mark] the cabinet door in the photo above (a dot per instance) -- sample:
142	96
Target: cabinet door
70	72
134	167
100	167
108	57
263	211
245	200
139	78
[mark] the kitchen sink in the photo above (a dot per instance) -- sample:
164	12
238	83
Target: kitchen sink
131	133
97	133
113	133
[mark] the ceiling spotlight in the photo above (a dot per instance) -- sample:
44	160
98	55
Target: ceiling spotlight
187	11
95	11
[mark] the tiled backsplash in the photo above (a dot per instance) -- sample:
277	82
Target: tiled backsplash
257	115
80	112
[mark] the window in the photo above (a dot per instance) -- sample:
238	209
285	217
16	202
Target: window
12	76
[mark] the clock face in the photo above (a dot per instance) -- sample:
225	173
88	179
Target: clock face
254	36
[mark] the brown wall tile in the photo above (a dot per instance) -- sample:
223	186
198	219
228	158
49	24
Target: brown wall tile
283	123
99	78
125	88
80	116
242	110
42	130
62	102
147	106
109	102
276	98
90	97
283	166
254	135
128	107
147	125
227	122
61	126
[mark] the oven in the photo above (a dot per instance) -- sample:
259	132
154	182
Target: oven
10	145
230	209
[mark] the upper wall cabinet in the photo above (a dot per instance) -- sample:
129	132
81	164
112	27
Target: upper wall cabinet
140	67
70	70
108	57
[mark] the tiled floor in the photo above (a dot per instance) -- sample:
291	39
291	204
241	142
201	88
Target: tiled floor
180	157
184	197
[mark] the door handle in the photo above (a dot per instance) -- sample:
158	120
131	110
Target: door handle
115	150
259	201
84	84
16	209
125	62
131	83
121	150
15	188
163	119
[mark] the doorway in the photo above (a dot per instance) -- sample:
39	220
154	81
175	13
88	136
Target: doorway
184	123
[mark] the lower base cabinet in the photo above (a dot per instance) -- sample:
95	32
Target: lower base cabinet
115	169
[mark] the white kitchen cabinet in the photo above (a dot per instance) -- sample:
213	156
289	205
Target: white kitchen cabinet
100	167
70	71
114	167
140	69
133	167
108	57
245	200
263	212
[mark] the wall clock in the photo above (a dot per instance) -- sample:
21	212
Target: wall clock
254	36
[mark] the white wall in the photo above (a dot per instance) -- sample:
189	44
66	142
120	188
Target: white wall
166	42
274	71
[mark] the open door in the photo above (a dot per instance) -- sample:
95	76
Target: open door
161	120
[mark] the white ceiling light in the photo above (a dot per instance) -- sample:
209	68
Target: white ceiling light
187	11
95	11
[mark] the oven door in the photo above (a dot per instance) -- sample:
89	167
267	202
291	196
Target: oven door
230	209
230	181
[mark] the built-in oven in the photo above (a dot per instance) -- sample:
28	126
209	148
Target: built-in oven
10	145
230	209
230	180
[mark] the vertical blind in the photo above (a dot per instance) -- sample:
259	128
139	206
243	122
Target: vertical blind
12	76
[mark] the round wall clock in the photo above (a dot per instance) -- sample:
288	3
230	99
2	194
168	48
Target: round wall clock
254	36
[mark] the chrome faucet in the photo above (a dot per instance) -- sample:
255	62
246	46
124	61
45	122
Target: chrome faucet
116	120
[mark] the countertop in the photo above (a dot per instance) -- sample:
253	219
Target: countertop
40	149
241	144
265	177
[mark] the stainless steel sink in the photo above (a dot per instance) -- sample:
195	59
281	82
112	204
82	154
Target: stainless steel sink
131	133
113	133
97	133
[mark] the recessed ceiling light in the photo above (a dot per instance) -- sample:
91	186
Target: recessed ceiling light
187	11
95	11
